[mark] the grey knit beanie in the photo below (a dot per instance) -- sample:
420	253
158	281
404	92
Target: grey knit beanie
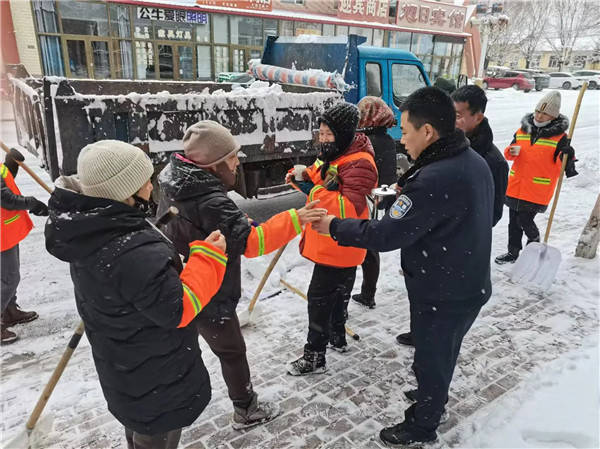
550	104
207	143
113	169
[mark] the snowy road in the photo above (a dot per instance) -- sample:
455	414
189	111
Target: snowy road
527	375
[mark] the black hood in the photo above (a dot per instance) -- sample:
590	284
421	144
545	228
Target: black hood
180	180
80	226
557	126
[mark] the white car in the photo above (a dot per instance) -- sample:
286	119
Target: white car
563	80
591	76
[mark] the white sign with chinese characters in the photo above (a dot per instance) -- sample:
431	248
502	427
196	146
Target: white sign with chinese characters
431	15
172	15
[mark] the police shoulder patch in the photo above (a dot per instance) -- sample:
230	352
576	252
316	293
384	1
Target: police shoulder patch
401	207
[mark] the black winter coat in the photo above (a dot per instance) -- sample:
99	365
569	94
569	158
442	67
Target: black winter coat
442	222
129	295
205	207
482	141
384	147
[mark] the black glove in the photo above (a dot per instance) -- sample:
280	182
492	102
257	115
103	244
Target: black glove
570	168
36	207
568	150
11	161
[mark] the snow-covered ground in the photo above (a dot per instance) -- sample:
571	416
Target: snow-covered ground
527	375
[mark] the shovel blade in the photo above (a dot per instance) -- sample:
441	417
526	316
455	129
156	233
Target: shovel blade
537	265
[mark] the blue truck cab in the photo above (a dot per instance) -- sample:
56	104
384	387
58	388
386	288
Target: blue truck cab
389	73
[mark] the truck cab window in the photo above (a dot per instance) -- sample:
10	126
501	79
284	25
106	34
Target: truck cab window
406	79
373	71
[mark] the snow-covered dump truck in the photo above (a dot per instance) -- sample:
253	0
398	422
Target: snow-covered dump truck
275	124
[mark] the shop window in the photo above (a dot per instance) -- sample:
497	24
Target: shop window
400	40
120	23
239	58
186	62
286	28
123	59
308	28
52	56
165	61
203	61
101	59
77	59
45	16
377	37
366	32
144	56
220	29
405	80
246	30
221	58
83	18
203	33
173	31
269	29
442	46
341	30
422	44
373	71
393	8
328	30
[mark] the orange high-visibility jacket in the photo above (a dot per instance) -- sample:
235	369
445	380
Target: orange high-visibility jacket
321	248
16	224
534	173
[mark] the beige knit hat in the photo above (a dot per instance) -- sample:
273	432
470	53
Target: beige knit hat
113	169
550	104
207	143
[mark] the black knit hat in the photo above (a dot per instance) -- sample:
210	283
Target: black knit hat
342	119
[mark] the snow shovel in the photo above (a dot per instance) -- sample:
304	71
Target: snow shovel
246	316
538	263
28	170
291	288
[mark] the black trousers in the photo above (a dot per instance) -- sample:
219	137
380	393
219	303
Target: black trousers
167	440
437	336
521	222
225	339
328	297
370	268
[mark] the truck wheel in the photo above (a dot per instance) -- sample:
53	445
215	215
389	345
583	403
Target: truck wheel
484	85
539	89
515	86
566	85
527	90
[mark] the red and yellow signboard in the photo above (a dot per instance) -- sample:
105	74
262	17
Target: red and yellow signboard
431	15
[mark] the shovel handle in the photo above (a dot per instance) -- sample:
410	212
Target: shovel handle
263	281
28	170
43	400
564	161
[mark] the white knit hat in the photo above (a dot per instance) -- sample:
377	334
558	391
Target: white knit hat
550	104
113	169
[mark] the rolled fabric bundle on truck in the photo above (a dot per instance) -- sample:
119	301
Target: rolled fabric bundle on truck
312	78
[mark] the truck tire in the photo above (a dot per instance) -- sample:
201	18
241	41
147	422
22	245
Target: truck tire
527	90
566	85
539	89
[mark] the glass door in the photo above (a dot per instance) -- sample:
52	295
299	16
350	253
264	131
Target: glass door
185	60
100	59
77	61
166	66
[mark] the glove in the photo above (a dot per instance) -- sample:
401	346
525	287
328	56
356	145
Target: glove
36	207
570	168
568	150
11	161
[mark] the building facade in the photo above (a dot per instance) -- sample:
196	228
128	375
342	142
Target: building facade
196	40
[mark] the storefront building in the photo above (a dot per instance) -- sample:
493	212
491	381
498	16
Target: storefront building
184	40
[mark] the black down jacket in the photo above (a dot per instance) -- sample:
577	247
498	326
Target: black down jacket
129	295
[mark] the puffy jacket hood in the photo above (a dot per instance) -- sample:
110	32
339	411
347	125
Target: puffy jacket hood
180	180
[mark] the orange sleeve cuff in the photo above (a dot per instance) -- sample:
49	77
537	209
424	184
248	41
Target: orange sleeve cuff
201	278
273	234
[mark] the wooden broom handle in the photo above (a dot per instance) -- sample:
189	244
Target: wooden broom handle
28	170
564	161
265	277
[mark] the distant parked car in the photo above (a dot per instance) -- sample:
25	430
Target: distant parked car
563	80
541	79
516	80
591	76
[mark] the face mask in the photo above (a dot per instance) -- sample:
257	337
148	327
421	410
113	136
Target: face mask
142	205
328	151
541	124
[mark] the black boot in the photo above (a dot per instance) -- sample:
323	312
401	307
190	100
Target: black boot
509	257
411	395
405	339
312	362
365	300
254	413
338	343
403	435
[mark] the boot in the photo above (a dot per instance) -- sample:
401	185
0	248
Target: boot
338	343
14	315
411	395
8	336
312	362
405	339
509	257
365	300
256	413
404	435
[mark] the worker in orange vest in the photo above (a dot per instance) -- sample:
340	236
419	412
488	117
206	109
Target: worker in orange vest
536	150
16	224
341	178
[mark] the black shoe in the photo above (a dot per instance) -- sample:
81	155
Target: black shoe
368	301
403	435
338	343
312	362
405	339
411	395
506	258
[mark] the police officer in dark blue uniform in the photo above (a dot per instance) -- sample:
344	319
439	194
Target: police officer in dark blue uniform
442	222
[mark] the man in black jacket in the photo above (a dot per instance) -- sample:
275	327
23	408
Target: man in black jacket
442	222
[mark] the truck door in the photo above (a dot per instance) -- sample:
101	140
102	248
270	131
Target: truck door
404	78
